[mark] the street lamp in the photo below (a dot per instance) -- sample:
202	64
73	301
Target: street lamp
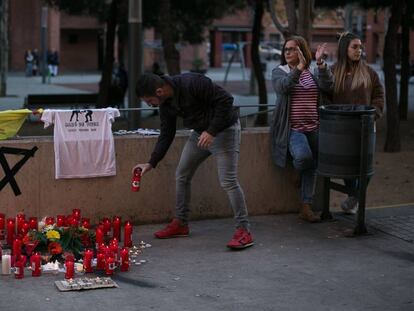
135	56
44	43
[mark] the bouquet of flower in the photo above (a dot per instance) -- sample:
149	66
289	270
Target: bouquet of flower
55	243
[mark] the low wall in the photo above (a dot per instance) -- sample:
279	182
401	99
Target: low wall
268	189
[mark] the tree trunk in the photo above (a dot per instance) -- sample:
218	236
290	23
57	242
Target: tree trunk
4	44
106	79
392	142
291	16
305	20
261	119
171	54
283	30
405	62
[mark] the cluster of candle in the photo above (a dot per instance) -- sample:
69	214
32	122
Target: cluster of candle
108	256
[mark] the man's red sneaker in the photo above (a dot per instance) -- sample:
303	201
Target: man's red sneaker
173	230
241	239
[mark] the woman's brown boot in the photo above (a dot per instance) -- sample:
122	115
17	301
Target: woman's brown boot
307	214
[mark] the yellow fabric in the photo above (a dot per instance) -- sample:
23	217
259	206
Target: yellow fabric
11	121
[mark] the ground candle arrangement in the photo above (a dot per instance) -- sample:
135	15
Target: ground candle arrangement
67	239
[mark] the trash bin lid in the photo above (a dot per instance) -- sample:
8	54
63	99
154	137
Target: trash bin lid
347	109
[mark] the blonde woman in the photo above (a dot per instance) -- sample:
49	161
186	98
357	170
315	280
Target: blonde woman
355	83
294	130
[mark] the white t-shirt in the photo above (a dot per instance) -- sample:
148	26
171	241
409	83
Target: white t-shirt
83	142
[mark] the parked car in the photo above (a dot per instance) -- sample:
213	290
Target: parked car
268	52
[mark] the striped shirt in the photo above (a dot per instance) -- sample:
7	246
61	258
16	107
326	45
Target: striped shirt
303	115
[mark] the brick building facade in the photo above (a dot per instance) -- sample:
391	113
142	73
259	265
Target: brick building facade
80	40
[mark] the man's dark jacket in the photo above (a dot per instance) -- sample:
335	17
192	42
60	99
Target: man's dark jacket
203	105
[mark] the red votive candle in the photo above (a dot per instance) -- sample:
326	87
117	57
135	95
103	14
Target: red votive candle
35	261
25	228
124	259
106	225
61	220
17	248
116	228
100	260
20	219
113	245
19	267
11	227
33	223
109	265
70	269
99	236
50	221
2	226
127	234
87	261
76	213
86	223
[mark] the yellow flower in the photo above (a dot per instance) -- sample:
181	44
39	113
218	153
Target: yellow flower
52	235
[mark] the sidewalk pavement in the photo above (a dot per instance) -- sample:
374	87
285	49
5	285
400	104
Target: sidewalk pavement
293	266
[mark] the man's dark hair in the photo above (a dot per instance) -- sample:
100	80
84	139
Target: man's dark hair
147	84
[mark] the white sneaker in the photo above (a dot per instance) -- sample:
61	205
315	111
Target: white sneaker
350	205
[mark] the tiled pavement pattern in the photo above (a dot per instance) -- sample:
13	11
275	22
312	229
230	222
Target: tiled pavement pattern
401	227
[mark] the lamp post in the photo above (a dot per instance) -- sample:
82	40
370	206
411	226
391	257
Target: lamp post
44	43
135	57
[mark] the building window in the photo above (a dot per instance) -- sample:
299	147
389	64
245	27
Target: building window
73	38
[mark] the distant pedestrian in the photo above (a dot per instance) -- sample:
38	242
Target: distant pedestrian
356	83
35	68
53	62
28	59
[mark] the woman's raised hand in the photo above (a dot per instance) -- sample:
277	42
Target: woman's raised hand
320	52
302	61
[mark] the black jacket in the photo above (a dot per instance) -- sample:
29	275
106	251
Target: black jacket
203	105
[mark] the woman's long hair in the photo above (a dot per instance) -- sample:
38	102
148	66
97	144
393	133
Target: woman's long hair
359	72
304	47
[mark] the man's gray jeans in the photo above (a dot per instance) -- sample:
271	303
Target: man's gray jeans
225	148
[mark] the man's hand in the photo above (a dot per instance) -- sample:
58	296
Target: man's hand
205	140
144	168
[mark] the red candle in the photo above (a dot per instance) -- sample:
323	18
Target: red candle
106	225
35	261
109	265
10	230
87	261
20	219
25	228
17	248
33	223
116	228
70	269
2	225
50	221
124	259
114	249
86	223
99	236
19	268
61	220
127	234
100	260
76	213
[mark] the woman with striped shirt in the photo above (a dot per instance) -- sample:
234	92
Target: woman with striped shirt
295	122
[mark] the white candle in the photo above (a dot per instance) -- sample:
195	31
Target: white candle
5	264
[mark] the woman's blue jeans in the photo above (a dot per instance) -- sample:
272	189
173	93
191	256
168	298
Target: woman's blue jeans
303	147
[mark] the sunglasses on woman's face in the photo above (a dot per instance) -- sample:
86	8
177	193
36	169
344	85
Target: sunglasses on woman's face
290	50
